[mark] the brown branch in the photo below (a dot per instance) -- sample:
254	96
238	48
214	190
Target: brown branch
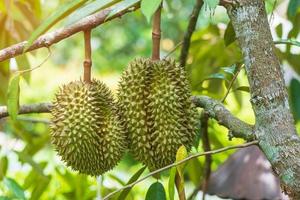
191	28
217	110
156	34
27	109
231	82
87	63
214	109
51	38
206	147
179	163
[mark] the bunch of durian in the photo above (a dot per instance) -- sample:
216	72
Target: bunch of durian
153	117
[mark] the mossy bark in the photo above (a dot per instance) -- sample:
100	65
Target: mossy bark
274	126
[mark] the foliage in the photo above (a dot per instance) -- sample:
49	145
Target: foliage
29	168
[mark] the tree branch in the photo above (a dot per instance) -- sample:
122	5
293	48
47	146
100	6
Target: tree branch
191	28
212	107
27	109
48	39
274	127
216	110
178	163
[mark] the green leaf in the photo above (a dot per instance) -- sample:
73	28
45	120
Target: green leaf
125	192
3	167
89	9
116	178
156	192
243	88
124	5
279	30
23	64
295	98
171	184
55	17
148	7
216	76
13	93
230	70
211	4
40	188
180	155
14	187
293	8
229	35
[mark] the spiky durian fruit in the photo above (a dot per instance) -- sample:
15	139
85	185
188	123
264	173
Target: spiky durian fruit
155	107
85	130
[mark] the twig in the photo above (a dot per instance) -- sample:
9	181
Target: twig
288	41
174	49
179	182
156	34
33	120
180	162
214	109
217	110
48	39
87	63
206	147
27	109
191	28
231	82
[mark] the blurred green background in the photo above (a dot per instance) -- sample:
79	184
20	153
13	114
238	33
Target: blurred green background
30	168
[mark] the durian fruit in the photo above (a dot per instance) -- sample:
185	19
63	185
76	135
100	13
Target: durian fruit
156	110
85	130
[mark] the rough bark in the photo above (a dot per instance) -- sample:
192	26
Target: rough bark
274	126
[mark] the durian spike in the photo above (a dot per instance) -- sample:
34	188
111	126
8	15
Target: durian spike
87	63
156	34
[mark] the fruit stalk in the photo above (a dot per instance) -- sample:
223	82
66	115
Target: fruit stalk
156	34
87	63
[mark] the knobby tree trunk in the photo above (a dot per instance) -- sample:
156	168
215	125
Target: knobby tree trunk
274	126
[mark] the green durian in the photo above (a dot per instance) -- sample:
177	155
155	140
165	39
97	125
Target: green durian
85	130
156	110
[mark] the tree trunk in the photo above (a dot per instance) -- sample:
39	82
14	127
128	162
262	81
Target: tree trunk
274	126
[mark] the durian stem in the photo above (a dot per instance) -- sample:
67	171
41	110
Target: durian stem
87	63
156	34
180	187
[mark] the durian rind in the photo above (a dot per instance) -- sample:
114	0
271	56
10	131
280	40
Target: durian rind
85	129
155	108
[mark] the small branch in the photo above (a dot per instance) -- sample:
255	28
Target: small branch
231	82
87	63
51	38
216	110
191	28
27	109
288	41
174	49
206	147
180	187
178	163
33	120
156	34
213	108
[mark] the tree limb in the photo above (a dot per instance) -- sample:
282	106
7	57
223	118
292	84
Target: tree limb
191	28
27	109
48	39
274	127
178	163
216	110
